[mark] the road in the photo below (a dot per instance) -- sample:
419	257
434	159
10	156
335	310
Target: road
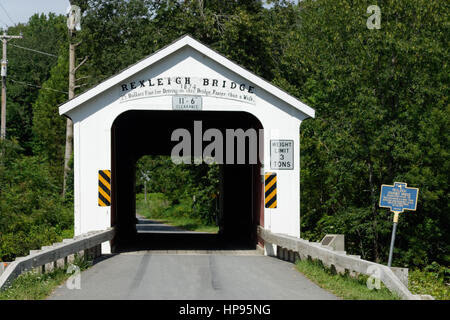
223	274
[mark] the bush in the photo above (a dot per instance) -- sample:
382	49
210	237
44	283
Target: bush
433	280
32	211
174	187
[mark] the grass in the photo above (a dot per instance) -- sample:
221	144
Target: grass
178	215
32	286
189	224
342	286
36	286
424	282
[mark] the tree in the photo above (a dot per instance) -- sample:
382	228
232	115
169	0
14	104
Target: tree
28	70
48	125
378	94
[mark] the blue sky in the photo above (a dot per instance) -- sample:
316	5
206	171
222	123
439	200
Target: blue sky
20	10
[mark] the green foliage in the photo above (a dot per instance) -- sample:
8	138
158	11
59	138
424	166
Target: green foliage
32	213
342	286
154	206
178	183
179	215
433	280
118	33
32	286
48	126
381	98
37	286
28	70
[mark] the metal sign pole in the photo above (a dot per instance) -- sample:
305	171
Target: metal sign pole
391	250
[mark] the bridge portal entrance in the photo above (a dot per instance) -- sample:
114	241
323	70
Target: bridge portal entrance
138	133
134	113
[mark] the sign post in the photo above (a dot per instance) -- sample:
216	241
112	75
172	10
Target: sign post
398	198
394	229
146	179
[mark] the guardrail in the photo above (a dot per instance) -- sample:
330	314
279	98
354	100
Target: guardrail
291	248
57	255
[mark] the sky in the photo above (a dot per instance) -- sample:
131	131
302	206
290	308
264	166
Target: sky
19	11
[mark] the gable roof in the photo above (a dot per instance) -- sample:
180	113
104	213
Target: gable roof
175	46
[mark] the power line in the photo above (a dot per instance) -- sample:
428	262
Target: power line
35	86
48	54
7	14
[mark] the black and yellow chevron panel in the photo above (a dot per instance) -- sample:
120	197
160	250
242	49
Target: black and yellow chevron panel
270	179
104	188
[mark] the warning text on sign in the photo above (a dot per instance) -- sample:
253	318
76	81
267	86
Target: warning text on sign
282	154
398	197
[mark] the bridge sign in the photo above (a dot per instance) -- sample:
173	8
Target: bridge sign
282	154
398	197
186	103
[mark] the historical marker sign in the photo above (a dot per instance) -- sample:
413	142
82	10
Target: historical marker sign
282	154
398	197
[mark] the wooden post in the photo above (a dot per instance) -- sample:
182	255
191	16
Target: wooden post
5	39
69	124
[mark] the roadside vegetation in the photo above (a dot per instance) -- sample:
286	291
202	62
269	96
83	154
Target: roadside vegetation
431	281
180	215
32	212
185	196
37	286
343	286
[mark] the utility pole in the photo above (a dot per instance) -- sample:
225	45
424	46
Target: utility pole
5	39
73	24
69	124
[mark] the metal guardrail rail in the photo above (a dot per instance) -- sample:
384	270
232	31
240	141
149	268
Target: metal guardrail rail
291	248
57	255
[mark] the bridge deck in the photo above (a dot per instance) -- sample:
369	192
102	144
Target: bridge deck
237	273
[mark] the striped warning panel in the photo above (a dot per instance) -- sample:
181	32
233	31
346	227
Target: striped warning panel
270	179
104	188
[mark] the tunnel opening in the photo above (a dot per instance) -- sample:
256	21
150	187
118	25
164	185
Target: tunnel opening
139	133
182	195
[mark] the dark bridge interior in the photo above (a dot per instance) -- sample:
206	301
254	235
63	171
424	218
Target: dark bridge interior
138	133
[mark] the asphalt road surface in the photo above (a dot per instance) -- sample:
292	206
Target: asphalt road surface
194	274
